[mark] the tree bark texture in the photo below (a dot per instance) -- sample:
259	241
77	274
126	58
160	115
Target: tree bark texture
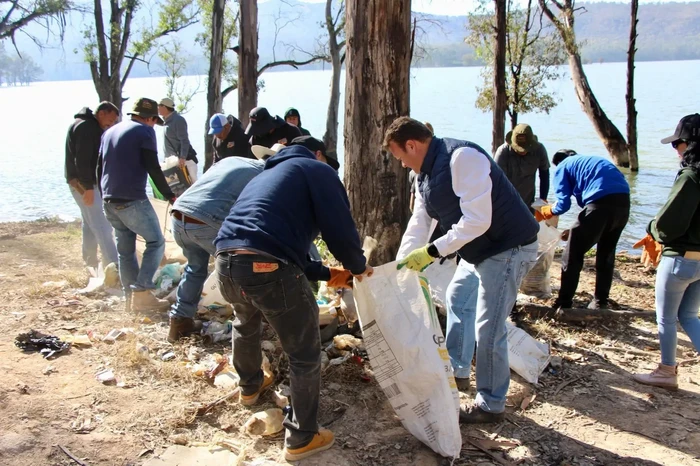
248	59
214	95
376	93
608	133
631	101
330	138
500	103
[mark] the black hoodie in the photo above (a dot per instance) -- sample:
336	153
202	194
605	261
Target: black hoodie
82	148
294	112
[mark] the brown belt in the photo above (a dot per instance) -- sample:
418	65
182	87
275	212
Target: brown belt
694	255
185	219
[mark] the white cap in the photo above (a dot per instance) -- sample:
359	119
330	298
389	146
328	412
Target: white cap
262	152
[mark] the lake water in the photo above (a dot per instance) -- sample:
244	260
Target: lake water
34	120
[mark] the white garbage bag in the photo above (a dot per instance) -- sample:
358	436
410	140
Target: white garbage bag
211	295
538	281
527	357
408	356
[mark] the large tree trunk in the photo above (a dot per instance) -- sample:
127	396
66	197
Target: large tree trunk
499	77
607	131
248	60
376	93
214	95
631	108
330	138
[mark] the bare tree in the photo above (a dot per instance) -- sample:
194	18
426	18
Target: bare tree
500	104
631	107
607	131
376	92
248	59
215	97
106	51
335	25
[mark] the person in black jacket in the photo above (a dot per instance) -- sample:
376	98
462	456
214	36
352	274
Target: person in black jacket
293	117
266	130
82	147
229	140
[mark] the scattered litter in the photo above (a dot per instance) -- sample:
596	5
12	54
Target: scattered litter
47	345
19	315
146	320
556	362
83	424
527	357
267	422
194	353
142	350
106	376
169	356
340	360
55	285
216	331
116	334
228	380
325	360
67	303
268	346
48	370
527	401
211	295
280	400
347	342
78	340
284	390
168	276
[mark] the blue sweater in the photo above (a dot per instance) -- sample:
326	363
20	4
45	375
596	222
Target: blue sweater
282	210
588	178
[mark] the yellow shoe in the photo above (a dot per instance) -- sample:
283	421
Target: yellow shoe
250	400
322	441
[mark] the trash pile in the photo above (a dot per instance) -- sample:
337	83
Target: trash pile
37	342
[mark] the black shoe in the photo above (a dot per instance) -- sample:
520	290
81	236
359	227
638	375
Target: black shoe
475	415
596	305
462	384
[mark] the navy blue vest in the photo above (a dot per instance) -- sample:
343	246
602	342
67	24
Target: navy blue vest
512	224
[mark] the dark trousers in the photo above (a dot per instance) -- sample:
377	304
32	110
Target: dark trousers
282	294
601	222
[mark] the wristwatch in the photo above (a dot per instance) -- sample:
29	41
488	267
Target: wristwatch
433	251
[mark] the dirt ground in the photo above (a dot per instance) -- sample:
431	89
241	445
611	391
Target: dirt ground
585	410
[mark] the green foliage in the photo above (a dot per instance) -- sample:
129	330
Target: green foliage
533	56
15	15
17	70
174	65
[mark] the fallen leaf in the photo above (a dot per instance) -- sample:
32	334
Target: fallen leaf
527	400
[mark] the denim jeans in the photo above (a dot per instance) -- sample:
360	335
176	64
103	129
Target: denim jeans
282	294
479	299
197	243
130	219
677	300
96	231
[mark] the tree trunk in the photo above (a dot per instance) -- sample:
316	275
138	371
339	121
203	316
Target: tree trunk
330	138
214	96
631	108
376	92
607	131
248	60
499	77
513	120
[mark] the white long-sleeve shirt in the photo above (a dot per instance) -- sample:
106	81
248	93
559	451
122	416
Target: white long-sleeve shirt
471	182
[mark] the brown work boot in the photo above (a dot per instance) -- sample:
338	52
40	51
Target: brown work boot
181	327
145	301
250	400
663	377
462	384
322	441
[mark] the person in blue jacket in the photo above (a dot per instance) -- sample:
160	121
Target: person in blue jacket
603	193
262	249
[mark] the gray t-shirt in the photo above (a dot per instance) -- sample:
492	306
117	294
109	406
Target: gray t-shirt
521	169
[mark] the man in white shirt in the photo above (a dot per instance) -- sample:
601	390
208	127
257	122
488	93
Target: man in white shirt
486	223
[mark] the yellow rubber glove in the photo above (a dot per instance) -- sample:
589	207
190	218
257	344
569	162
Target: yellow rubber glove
546	212
417	260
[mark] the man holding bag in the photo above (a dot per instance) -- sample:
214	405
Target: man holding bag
484	221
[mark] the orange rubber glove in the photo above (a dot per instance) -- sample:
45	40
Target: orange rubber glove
538	216
651	252
546	212
340	278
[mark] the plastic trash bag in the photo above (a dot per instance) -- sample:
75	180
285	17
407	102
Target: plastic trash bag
537	282
36	342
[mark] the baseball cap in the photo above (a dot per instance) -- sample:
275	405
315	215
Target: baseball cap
261	122
688	129
217	123
167	102
315	145
262	152
522	138
146	108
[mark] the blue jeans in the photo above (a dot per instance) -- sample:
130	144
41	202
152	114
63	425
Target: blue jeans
96	231
677	300
197	243
130	219
479	299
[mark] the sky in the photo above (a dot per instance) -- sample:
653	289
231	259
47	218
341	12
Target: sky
463	7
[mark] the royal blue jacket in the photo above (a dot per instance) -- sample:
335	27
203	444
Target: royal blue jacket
588	178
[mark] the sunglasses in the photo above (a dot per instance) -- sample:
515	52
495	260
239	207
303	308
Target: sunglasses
677	143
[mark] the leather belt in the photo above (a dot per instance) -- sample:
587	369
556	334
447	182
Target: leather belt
185	219
693	255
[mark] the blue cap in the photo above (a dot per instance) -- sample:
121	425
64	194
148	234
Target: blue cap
217	123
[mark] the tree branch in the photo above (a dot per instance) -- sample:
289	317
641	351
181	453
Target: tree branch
293	63
229	90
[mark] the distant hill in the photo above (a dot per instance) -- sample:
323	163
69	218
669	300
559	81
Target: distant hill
668	31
